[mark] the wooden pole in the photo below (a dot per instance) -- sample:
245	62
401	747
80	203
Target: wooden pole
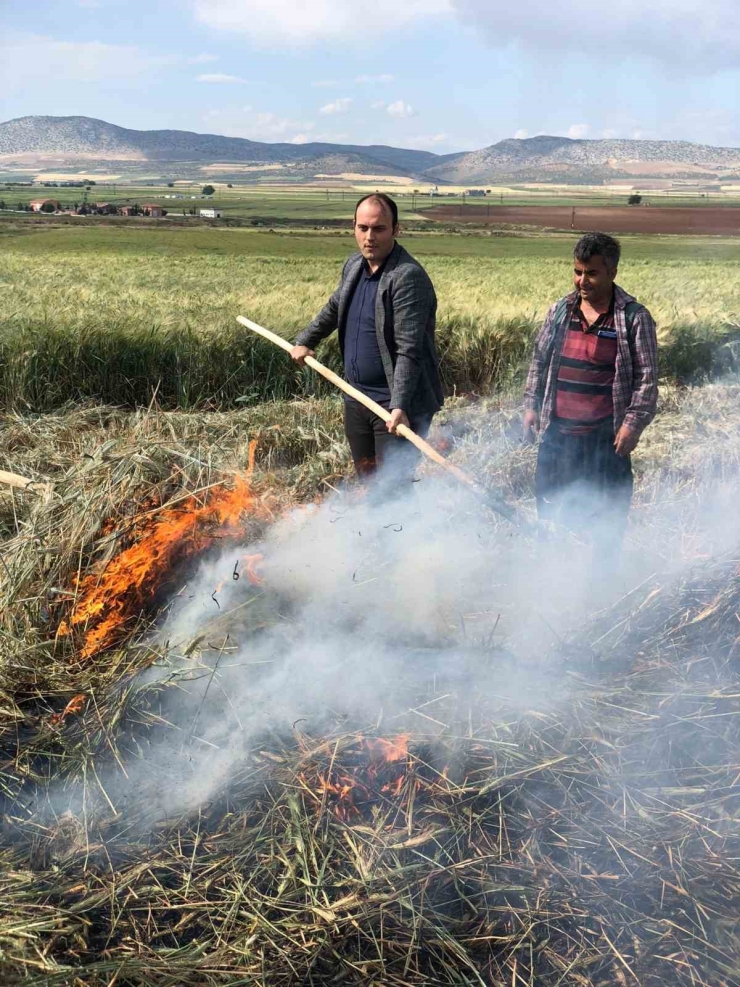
429	451
23	483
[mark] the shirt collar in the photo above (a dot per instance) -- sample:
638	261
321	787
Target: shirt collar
366	270
602	315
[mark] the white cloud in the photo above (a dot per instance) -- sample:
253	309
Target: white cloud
705	35
336	106
271	126
203	59
521	135
285	21
577	131
34	59
322	138
262	126
219	78
385	77
399	109
325	84
608	134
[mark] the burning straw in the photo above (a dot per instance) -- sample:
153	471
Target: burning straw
161	540
478	832
592	849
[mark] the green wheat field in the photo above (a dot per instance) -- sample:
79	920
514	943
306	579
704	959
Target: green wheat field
114	314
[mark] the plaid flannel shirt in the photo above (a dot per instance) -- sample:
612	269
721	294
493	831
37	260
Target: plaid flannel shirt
635	389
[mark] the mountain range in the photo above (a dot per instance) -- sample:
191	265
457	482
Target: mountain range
82	145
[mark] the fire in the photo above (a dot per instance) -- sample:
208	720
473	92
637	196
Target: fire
248	563
73	708
389	750
382	772
110	602
252	561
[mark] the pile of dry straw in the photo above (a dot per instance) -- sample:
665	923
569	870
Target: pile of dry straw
494	846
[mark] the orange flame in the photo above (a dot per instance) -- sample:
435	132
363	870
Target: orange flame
109	602
352	788
388	750
252	562
73	708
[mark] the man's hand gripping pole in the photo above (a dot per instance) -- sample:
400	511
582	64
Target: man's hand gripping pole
488	497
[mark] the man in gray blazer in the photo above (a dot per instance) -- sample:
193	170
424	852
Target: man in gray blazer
384	310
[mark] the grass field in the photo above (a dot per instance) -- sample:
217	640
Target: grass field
115	312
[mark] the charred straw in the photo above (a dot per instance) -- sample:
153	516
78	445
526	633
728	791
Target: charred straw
593	842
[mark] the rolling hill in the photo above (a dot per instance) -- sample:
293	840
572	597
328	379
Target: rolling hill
81	144
544	158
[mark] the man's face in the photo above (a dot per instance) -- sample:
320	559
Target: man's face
374	231
594	278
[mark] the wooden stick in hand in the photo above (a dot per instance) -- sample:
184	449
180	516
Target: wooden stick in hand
429	451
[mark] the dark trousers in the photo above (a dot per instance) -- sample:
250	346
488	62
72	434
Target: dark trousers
372	445
584	485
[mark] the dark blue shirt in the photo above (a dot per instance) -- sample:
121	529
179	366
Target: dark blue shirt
363	365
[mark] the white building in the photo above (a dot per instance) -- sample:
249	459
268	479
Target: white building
210	213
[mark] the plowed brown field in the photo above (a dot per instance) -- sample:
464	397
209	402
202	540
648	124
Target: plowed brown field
723	221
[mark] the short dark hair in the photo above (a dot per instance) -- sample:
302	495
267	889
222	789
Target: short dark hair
380	197
598	245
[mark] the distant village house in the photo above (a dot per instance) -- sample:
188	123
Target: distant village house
37	205
152	209
210	213
476	193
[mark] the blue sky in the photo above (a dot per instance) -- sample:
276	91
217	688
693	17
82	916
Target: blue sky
444	75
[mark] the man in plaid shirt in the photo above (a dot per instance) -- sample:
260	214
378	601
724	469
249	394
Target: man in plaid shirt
592	388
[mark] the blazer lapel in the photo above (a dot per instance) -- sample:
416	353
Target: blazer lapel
348	286
380	313
392	261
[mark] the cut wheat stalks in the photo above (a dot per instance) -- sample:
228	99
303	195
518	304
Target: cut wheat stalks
592	842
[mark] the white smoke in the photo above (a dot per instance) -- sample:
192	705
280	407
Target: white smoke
373	608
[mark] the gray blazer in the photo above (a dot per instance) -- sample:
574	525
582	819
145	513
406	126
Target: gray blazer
405	311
